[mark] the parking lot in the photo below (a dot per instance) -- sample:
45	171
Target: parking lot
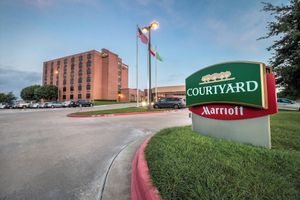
46	155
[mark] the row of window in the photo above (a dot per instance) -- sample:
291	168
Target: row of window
87	96
80	58
88	87
88	80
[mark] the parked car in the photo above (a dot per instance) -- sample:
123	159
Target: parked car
84	103
42	105
70	103
170	102
2	105
54	105
34	105
23	104
287	104
12	105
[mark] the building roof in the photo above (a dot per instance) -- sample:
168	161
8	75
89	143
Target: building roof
174	88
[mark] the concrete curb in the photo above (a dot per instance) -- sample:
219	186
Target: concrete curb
141	183
118	114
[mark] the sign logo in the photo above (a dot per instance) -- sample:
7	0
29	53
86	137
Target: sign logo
216	77
240	83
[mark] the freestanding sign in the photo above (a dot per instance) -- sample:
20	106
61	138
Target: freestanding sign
233	100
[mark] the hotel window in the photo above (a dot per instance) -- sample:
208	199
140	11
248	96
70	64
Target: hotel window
79	80
72	81
72	59
65	82
80	58
65	61
71	96
79	87
64	96
52	63
88	95
64	88
88	79
89	63
80	65
58	62
72	88
79	96
88	87
89	56
88	71
72	67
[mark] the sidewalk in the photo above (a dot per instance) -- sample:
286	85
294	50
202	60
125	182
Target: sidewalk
117	185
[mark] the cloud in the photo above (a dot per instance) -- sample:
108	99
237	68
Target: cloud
173	79
240	33
40	3
49	3
15	80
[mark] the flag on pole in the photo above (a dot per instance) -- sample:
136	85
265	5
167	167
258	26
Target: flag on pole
153	52
158	57
143	37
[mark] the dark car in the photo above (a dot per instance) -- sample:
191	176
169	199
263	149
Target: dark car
170	102
84	103
69	104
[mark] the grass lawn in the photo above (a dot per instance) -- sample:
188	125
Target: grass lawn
186	165
114	111
104	102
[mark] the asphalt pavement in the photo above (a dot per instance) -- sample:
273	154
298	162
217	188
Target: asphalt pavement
46	155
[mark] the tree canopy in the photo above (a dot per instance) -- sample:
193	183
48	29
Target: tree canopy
37	92
48	92
28	93
286	46
7	98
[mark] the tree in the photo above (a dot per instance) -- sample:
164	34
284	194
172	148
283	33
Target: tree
48	92
286	47
28	93
7	98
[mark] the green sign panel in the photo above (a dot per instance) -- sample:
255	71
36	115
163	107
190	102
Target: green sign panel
242	83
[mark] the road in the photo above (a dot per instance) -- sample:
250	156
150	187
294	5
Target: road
46	155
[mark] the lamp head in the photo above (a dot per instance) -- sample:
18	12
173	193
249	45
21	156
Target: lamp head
154	25
145	29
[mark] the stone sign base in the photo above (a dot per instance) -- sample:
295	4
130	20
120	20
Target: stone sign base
254	131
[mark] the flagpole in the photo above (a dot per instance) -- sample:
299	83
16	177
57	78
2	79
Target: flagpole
156	76
148	80
137	70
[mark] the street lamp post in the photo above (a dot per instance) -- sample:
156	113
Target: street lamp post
57	76
154	25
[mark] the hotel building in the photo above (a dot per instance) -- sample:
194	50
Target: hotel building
89	75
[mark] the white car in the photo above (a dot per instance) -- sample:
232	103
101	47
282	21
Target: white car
287	104
2	105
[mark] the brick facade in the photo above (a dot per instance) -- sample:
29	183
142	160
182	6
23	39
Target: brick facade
88	75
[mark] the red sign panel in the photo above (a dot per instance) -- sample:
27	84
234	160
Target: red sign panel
236	112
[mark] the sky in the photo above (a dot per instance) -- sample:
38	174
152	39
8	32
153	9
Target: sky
192	34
